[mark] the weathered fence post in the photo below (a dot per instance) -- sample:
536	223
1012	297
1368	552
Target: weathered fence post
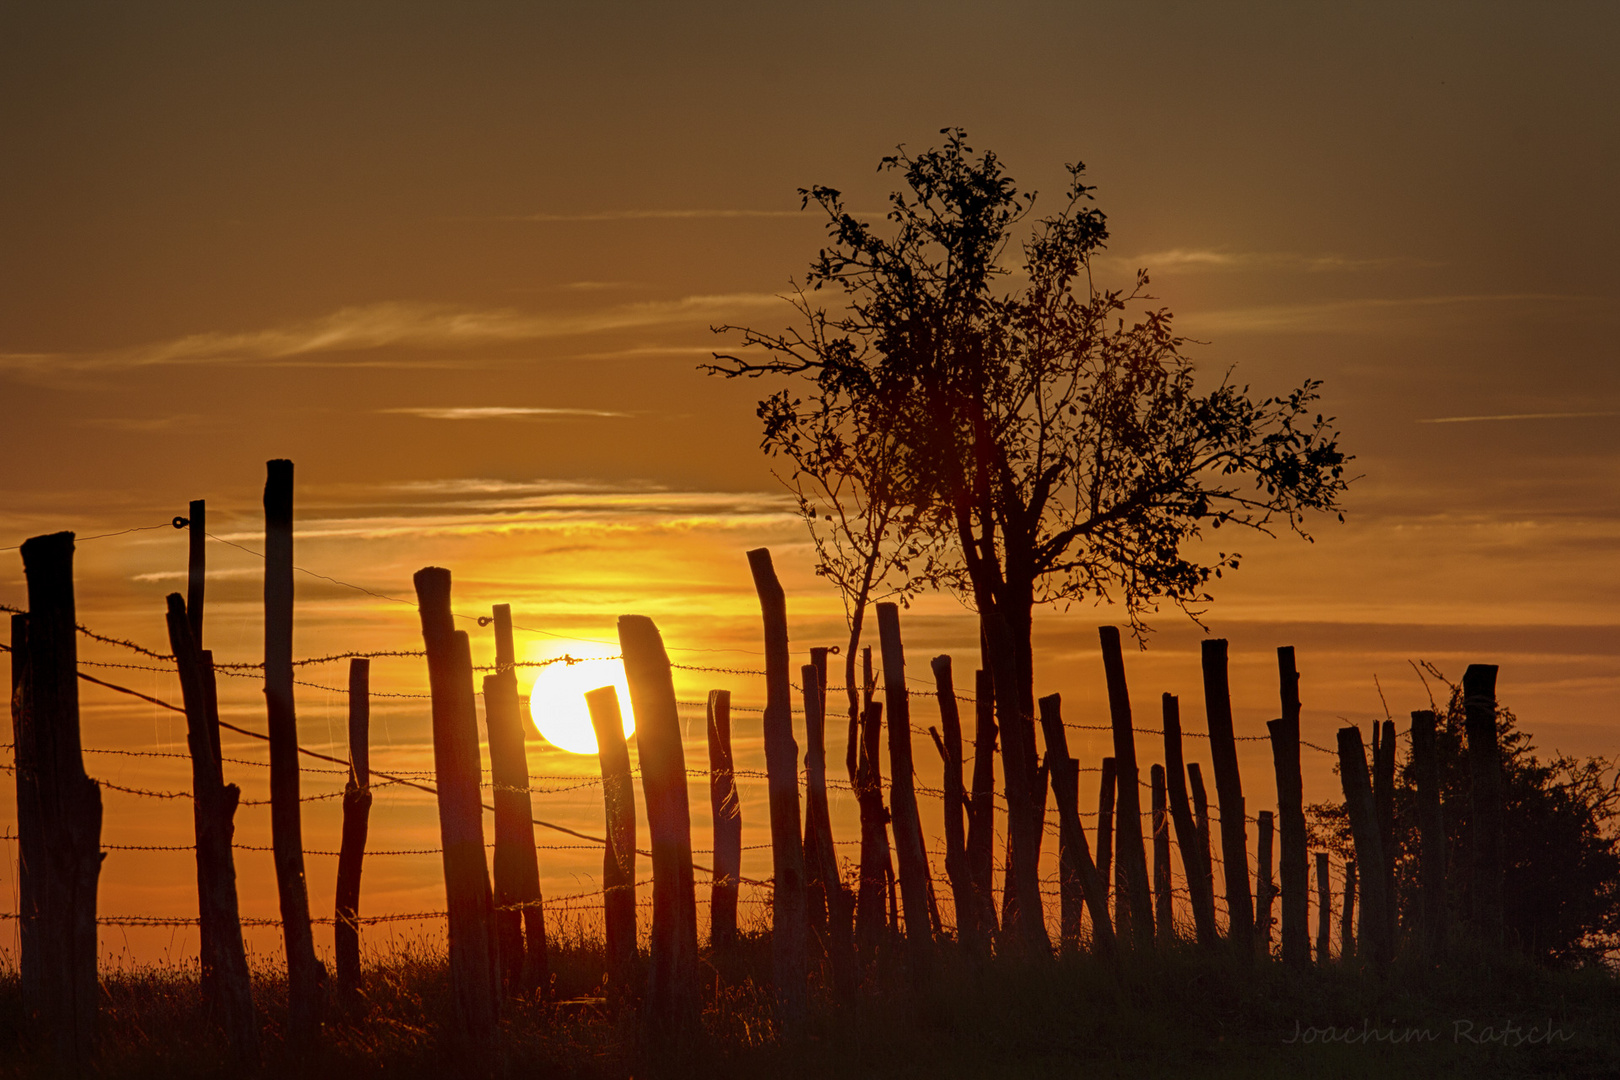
1105	826
30	832
1324	909
1162	910
1291	859
1347	937
1377	939
356	823
1133	910
474	958
727	814
1484	800
1384	800
877	869
68	811
1229	789
950	756
820	855
1431	832
981	825
672	988
1077	874
908	839
788	930
1193	855
225	977
1265	890
1200	801
619	856
520	919
306	978
197	566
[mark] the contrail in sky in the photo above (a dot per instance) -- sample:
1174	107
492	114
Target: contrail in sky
1517	416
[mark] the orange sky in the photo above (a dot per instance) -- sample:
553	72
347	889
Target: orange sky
460	266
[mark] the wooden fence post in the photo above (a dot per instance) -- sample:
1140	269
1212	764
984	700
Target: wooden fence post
827	892
672	989
69	808
726	810
619	856
1484	799
1193	855
1162	909
877	869
1229	789
908	838
1431	832
30	831
520	919
1077	874
356	823
1133	911
1324	909
1200	801
1265	891
225	977
981	825
1384	800
1347	937
1291	859
1105	826
1377	939
949	746
788	961
474	958
197	566
306	977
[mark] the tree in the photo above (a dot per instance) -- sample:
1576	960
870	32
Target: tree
1047	437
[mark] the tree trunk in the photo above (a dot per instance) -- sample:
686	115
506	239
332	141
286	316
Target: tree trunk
1192	853
1484	800
1376	940
981	825
1016	721
1432	833
619	855
1133	911
908	838
1229	788
727	815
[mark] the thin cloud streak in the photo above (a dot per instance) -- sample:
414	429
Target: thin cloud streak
1351	316
501	412
1192	260
1518	416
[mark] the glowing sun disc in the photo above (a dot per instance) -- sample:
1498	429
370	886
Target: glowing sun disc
557	703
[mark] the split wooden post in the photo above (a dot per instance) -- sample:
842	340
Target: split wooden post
1324	909
1079	880
1229	789
877	869
68	810
30	830
306	977
197	566
520	919
1347	914
981	823
726	812
908	838
225	979
1163	913
1105	826
474	957
672	988
949	746
1384	800
1200	801
1484	800
1291	859
619	855
1377	938
1265	890
1431	832
829	908
1194	856
356	823
788	930
1133	911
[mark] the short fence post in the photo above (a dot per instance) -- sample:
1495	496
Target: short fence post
788	929
1265	891
981	823
1193	855
1324	909
820	854
950	754
69	808
619	856
672	989
727	816
1384	799
1163	912
1200	800
356	823
1376	935
1133	911
908	839
1347	937
1431	832
1291	859
474	957
1105	827
877	869
1484	799
1079	881
197	566
1229	789
225	976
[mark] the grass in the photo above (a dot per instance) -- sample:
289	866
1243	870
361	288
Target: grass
1184	1013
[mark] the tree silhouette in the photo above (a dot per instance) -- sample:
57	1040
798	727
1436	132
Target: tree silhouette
1047	437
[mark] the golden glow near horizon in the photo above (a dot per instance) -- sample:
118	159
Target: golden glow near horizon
557	702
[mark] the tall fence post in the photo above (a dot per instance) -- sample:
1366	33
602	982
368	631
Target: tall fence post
30	831
1377	938
1229	789
981	824
225	977
672	988
1384	799
820	854
474	959
1324	909
1078	879
908	838
1431	832
1347	915
788	929
1484	800
1133	910
619	856
949	746
1192	853
306	977
726	813
519	918
196	566
68	813
1265	889
356	823
1291	859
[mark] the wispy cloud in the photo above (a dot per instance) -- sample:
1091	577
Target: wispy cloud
1349	316
650	215
1192	260
502	412
1518	416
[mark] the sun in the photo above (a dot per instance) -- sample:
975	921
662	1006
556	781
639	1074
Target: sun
557	702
